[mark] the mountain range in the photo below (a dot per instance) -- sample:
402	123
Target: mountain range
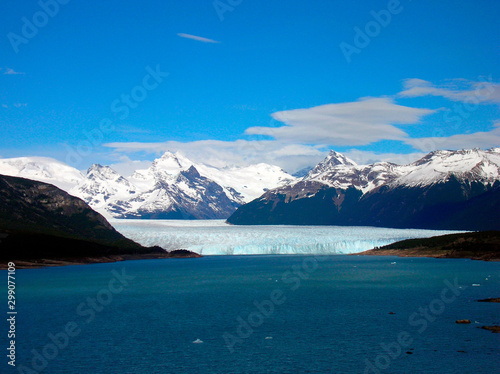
443	190
173	187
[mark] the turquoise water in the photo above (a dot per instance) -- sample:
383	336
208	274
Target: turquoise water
258	314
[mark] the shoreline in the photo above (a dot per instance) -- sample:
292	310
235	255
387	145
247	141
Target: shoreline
479	245
53	262
416	252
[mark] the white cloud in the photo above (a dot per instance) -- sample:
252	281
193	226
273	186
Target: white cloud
480	139
361	122
9	71
369	157
415	82
197	38
290	157
307	134
125	166
482	91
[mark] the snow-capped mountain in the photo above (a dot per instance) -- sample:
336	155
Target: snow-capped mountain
466	164
338	171
102	187
42	169
444	189
187	195
172	187
175	187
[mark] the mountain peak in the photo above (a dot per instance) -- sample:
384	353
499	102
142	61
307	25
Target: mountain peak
168	155
335	158
192	172
331	161
170	163
95	168
102	172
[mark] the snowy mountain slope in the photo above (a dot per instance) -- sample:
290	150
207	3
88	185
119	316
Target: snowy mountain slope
176	185
241	184
250	181
173	186
429	193
42	169
338	171
470	164
187	196
465	164
102	187
164	168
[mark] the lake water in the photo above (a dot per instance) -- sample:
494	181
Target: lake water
215	237
258	314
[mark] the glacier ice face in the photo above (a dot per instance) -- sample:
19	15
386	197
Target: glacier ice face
215	237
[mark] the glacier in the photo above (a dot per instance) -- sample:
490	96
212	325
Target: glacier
216	237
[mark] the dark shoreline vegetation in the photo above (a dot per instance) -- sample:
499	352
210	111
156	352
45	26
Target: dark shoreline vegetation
41	225
32	250
480	245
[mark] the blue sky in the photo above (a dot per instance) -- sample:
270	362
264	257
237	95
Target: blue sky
240	81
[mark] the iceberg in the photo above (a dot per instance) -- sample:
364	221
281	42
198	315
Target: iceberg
215	237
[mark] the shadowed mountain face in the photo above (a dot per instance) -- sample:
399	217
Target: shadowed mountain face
37	207
458	190
38	220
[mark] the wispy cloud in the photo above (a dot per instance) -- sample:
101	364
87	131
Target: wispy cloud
484	91
197	38
16	105
9	71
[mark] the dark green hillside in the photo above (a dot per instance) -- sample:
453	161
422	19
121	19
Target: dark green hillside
40	224
36	207
483	245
